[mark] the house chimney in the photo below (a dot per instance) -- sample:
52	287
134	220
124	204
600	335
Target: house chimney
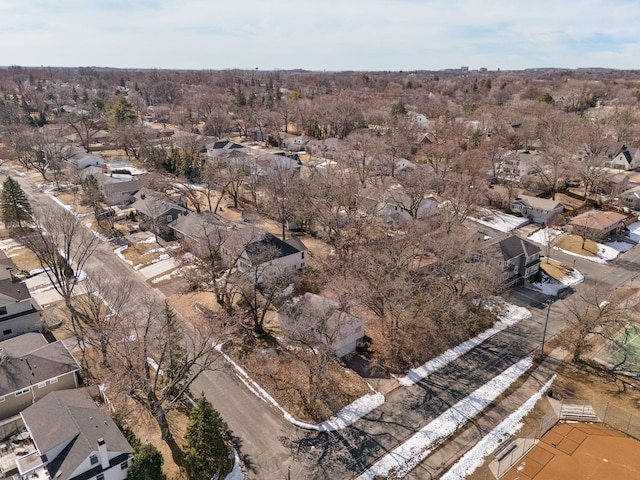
102	453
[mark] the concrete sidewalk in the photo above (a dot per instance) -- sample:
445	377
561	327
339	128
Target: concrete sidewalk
443	458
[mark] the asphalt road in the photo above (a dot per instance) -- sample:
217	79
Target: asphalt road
274	449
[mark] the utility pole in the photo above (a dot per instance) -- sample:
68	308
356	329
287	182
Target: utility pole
544	332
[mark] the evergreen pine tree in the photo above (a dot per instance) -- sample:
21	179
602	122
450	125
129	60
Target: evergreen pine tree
14	204
147	464
206	448
174	354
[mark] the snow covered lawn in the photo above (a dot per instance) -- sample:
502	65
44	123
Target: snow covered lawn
401	460
552	286
545	236
500	221
507	314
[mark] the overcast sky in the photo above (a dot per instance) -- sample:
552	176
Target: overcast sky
321	34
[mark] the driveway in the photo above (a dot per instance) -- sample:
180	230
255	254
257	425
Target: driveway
158	268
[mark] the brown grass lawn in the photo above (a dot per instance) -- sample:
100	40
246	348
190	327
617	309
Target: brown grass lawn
56	315
555	269
142	254
285	374
573	243
24	258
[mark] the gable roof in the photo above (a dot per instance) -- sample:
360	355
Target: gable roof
512	247
545	204
16	290
28	359
259	245
71	416
196	224
154	204
597	219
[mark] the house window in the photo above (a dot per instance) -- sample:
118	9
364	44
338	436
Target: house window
93	459
42	384
23	391
124	465
3	310
1	399
53	380
100	476
7	332
169	218
302	253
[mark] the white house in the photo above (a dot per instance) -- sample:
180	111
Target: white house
324	320
74	440
257	252
539	210
19	312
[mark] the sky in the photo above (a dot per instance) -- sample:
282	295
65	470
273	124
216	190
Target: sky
321	35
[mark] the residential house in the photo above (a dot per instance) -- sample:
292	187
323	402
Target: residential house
630	198
519	164
30	367
220	147
117	188
157	210
19	312
324	320
74	440
518	259
389	201
80	159
327	148
257	252
597	224
202	231
626	158
296	143
539	210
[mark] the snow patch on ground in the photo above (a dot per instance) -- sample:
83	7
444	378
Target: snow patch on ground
401	460
175	273
148	240
620	247
551	286
59	202
545	236
118	251
500	221
605	254
507	314
236	473
101	237
474	458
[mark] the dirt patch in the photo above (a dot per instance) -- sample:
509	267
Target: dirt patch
573	243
